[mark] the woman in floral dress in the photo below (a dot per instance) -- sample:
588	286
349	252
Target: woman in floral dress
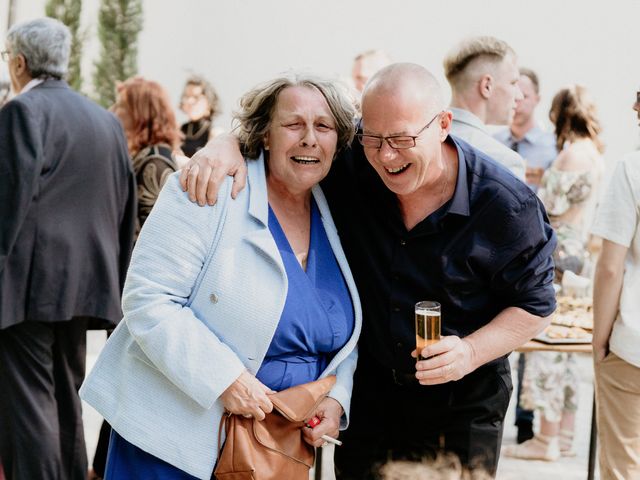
569	192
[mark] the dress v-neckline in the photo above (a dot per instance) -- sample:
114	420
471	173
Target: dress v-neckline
274	225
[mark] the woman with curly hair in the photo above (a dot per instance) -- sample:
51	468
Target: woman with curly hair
569	193
149	123
224	305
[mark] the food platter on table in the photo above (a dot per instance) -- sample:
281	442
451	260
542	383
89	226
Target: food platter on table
571	323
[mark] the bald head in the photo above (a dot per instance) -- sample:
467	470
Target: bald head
405	82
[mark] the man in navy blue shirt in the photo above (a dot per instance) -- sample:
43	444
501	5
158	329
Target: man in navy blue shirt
426	216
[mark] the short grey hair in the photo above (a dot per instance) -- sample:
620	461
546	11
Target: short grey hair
45	43
257	107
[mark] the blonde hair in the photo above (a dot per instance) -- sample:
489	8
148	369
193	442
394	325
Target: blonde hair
257	107
470	51
574	115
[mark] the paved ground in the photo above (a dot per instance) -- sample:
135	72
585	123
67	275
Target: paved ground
509	469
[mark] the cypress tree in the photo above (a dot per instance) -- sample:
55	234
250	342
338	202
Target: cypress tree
68	12
119	23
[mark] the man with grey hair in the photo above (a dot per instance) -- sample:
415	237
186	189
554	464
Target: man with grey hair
425	216
67	203
483	75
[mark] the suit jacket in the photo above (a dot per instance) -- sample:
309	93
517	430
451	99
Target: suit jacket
67	204
202	301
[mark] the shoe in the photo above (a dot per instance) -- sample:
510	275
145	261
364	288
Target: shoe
539	447
566	444
525	431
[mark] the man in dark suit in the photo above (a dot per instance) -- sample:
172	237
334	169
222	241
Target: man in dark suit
67	204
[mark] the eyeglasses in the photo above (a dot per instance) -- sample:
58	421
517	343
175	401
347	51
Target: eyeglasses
399	142
5	55
193	98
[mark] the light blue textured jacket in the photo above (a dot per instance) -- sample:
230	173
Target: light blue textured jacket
202	301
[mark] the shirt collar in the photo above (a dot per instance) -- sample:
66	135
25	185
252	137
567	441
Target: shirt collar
460	200
34	82
465	116
532	136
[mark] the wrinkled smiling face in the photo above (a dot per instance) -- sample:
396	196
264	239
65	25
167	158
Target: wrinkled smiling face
302	138
403	171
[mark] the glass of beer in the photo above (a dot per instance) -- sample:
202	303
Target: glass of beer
427	325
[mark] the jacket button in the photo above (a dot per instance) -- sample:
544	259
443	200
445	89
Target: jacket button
214	298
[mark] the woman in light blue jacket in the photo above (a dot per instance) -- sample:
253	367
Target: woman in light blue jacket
225	304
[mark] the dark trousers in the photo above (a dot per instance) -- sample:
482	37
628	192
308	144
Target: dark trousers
522	415
41	368
395	418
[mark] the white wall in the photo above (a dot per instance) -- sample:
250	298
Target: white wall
239	43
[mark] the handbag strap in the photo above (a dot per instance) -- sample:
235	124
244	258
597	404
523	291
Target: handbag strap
223	422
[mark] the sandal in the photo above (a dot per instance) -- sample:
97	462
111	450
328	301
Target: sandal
540	447
566	443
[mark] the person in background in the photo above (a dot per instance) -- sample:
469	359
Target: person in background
483	75
407	195
636	105
144	108
200	102
365	65
68	205
225	304
535	146
616	322
569	191
538	148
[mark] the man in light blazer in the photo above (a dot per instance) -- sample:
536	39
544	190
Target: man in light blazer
67	203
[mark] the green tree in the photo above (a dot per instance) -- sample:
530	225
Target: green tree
119	23
68	12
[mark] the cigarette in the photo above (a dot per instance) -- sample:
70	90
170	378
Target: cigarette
314	422
329	439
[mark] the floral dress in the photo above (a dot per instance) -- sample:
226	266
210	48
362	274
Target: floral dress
152	165
551	381
561	191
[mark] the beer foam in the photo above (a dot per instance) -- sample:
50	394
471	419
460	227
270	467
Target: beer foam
427	313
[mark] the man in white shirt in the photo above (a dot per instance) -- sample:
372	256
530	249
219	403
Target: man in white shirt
616	321
483	75
536	146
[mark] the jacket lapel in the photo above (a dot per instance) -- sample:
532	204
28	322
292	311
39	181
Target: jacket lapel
261	237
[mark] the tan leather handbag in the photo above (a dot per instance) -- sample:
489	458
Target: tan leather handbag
272	448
